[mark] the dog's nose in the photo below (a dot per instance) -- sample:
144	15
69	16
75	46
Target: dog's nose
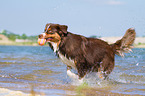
40	36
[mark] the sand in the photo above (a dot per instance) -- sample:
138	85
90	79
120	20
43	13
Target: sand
65	91
8	92
138	43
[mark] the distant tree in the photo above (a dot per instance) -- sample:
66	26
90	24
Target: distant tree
12	37
8	34
94	36
4	32
18	37
33	38
24	36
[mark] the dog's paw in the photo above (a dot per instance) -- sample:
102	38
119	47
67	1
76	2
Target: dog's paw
72	75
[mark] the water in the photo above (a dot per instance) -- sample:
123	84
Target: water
35	67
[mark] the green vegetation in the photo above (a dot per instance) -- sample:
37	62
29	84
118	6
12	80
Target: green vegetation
13	36
16	39
94	36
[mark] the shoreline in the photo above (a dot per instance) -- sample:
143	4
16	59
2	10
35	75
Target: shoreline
138	43
5	91
135	45
8	92
64	90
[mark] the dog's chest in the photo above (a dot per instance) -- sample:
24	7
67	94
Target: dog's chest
65	60
68	62
55	46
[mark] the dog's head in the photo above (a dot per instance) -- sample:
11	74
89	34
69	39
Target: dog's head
54	32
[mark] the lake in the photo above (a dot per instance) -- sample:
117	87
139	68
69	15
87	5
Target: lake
37	68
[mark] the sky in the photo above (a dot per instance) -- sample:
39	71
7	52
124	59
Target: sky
85	17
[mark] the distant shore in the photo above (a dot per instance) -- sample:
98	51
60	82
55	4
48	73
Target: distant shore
19	43
139	42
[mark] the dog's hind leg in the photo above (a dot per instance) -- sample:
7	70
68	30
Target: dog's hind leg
100	74
106	66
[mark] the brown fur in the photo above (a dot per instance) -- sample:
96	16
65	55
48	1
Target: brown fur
88	54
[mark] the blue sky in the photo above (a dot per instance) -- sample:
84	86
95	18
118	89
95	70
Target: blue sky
85	17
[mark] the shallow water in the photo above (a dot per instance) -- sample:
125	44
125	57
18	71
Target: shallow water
37	67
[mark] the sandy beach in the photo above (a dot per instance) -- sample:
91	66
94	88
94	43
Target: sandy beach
10	92
7	92
138	43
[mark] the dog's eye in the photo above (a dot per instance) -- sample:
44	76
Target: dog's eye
45	30
50	32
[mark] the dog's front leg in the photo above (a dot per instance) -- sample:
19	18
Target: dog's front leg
70	74
73	75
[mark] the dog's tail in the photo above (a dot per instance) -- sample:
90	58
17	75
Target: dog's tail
125	44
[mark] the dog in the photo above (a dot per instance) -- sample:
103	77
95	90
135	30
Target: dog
86	54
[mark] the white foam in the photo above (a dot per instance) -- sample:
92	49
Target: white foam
91	80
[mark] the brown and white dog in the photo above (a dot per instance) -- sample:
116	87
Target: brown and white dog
86	54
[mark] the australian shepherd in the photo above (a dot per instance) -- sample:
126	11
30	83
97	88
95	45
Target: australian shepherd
86	54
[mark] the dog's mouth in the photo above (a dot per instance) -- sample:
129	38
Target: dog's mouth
43	38
49	39
42	41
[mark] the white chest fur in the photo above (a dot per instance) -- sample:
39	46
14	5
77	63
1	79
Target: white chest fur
55	46
68	62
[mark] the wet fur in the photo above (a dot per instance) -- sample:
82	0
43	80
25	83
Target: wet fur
87	54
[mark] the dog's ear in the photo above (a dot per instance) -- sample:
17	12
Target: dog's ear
63	28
